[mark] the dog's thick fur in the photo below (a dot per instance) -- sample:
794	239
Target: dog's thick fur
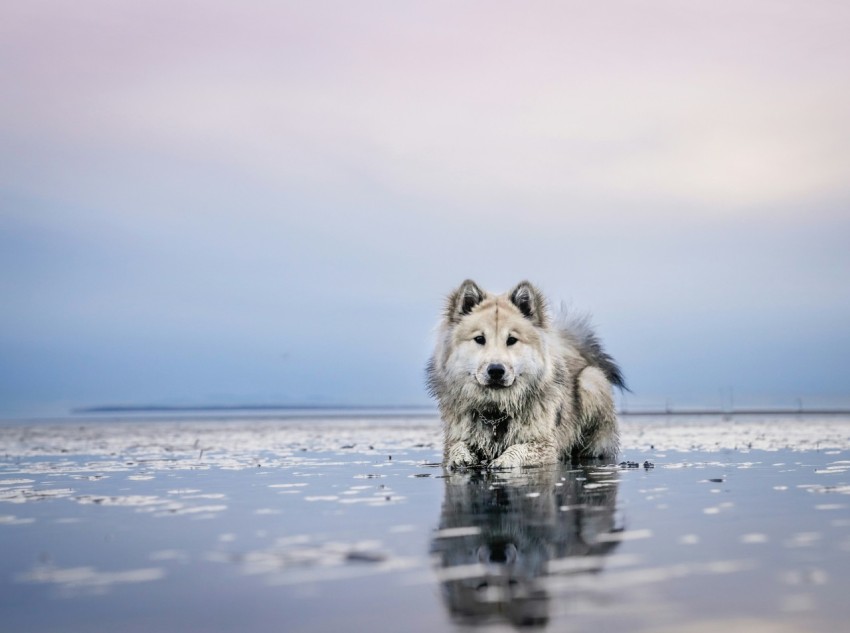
516	390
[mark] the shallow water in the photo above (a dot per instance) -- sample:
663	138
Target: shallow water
326	525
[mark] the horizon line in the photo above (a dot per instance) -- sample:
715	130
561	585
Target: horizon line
432	409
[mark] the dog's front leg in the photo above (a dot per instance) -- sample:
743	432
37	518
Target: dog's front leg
458	455
526	454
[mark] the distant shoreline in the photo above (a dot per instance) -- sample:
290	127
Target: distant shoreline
254	411
425	410
742	411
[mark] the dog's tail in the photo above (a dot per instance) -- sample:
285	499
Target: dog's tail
579	331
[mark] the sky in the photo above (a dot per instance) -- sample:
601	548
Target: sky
214	203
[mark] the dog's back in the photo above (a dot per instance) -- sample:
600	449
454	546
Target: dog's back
579	333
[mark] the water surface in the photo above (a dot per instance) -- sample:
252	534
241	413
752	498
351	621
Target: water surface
325	525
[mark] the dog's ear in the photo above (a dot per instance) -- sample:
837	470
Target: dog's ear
463	300
530	302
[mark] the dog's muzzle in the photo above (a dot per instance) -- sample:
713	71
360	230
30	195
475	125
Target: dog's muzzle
496	375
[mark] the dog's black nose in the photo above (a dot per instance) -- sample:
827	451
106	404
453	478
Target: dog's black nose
496	371
498	554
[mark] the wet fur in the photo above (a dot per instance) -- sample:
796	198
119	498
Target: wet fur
554	401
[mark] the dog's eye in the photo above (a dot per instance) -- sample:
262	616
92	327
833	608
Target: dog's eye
480	340
511	340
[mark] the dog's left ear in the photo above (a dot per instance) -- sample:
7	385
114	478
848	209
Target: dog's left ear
530	302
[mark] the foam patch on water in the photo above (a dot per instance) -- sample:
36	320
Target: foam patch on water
299	559
23	495
11	519
742	433
150	447
74	580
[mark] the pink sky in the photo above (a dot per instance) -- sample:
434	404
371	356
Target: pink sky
737	104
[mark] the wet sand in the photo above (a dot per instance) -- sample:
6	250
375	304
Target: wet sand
325	525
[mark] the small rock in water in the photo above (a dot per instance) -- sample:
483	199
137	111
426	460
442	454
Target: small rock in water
366	557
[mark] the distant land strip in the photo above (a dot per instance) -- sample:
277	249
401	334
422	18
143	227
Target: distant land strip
426	410
231	408
741	411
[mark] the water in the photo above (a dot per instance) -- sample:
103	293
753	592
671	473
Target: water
326	525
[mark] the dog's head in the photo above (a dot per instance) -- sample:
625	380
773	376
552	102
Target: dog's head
495	343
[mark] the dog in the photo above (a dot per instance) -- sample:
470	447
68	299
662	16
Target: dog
515	389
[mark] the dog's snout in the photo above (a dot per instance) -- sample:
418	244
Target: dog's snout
496	371
499	554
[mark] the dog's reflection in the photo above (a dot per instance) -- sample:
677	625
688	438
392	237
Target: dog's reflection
502	534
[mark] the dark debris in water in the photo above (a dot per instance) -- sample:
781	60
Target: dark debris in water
630	464
365	557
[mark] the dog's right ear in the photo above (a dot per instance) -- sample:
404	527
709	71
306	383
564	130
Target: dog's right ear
530	302
463	300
